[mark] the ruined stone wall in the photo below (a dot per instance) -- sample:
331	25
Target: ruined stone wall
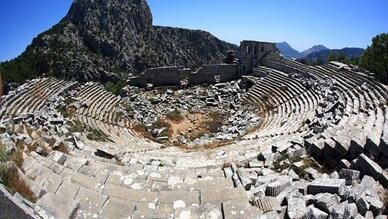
210	74
172	76
251	53
164	76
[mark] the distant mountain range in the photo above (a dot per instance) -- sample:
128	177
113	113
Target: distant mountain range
317	52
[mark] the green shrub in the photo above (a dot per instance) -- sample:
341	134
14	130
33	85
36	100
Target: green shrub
175	116
97	135
115	87
76	126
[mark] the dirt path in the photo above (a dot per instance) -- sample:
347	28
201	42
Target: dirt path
191	125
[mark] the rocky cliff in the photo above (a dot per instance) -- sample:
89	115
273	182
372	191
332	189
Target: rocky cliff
101	39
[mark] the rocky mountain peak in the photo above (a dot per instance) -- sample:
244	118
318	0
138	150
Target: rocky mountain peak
108	14
108	39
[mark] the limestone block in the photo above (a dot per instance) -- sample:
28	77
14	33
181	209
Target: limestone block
245	180
91	202
239	209
350	176
186	198
338	211
58	157
130	194
117	208
266	203
214	184
368	167
351	210
334	186
218	196
202	211
325	201
315	213
276	187
51	202
296	207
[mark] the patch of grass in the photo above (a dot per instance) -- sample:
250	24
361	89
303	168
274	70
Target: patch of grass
97	135
18	154
76	126
66	111
279	165
9	162
128	108
115	87
91	133
175	116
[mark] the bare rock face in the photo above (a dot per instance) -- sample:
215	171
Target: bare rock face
106	39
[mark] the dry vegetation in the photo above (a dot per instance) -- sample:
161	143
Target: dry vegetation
91	133
175	116
9	164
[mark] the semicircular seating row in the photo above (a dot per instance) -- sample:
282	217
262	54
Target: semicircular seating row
89	186
363	127
101	114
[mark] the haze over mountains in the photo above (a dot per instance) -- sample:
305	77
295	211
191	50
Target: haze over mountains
317	52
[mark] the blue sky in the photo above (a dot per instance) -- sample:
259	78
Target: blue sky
302	23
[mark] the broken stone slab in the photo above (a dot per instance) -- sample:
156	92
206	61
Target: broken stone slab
276	187
270	215
58	206
362	205
334	175
245	180
312	173
351	210
325	201
202	211
324	185
315	213
234	209
266	203
368	167
296	206
293	175
105	153
228	172
58	157
256	164
56	121
375	205
338	211
350	176
344	164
